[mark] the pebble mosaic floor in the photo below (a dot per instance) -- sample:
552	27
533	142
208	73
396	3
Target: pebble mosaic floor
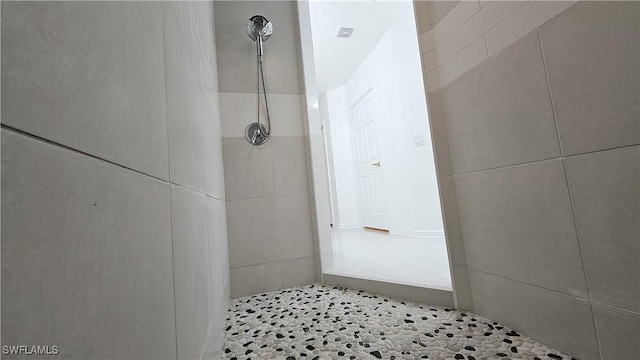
324	322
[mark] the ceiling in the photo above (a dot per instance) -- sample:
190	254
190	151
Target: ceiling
336	59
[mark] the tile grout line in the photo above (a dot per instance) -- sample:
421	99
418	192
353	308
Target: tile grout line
486	45
532	285
268	197
77	151
456	53
466	271
459	26
271	262
95	157
615	307
166	113
541	160
474	172
489	56
345	275
601	150
489	29
571	201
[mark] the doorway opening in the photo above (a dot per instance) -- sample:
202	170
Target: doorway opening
384	203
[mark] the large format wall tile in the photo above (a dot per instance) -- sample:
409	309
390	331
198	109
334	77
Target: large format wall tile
236	58
281	65
517	223
218	251
455	243
439	9
214	176
439	136
219	268
605	188
284	14
282	57
290	165
500	113
89	76
196	21
256	279
523	21
298	272
253	237
190	270
266	187
236	51
230	14
237	54
462	288
248	169
294	227
423	20
560	321
591	52
485	19
462	12
618	332
186	148
86	255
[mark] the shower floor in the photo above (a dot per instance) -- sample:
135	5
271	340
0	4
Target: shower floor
379	256
323	322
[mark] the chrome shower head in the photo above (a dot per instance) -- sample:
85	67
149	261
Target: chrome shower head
259	26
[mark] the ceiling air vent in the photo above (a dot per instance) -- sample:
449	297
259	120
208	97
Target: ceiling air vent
346	32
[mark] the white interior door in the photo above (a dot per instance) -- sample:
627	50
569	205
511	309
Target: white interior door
365	139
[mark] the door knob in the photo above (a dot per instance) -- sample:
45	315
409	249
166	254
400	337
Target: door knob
376	164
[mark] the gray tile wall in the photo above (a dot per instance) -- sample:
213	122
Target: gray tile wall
271	243
510	124
423	20
439	9
236	52
268	215
86	254
428	14
543	141
114	240
449	202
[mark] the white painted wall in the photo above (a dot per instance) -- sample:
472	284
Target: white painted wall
414	204
343	183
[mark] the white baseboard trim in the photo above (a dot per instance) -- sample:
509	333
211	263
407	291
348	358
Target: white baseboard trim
348	226
418	234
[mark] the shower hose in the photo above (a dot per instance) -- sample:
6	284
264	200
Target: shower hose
260	72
